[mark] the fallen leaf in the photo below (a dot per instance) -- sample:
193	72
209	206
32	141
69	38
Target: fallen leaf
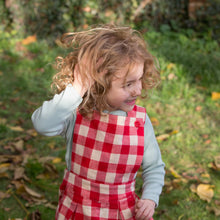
33	193
162	137
174	173
45	159
15	99
154	121
56	160
7	209
217	162
172	76
109	13
4	167
50	172
198	108
85	26
205	192
193	188
208	141
205	136
32	132
217	202
10	158
29	40
51	168
25	192
16	128
4	175
30	102
51	206
215	95
87	9
19	145
205	178
170	66
173	132
4	195
18	173
216	210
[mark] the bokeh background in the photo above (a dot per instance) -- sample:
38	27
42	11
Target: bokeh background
184	35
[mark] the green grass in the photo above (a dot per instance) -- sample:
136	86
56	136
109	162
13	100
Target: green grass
190	72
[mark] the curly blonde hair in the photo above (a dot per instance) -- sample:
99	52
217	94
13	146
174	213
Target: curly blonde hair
106	49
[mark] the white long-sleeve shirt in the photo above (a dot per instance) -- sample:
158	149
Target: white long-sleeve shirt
57	117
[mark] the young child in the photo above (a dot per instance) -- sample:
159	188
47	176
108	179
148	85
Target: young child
108	137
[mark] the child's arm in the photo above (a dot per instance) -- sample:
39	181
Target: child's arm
153	173
52	117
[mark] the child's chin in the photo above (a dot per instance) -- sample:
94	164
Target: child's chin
128	108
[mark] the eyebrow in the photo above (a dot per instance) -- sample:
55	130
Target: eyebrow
130	81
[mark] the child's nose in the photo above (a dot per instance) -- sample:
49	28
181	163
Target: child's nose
137	89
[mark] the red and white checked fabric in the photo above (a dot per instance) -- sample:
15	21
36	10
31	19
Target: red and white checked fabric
107	152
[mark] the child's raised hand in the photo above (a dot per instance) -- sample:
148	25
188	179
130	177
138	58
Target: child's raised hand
144	209
80	86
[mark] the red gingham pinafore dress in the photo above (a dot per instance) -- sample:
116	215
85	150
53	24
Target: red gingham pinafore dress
107	152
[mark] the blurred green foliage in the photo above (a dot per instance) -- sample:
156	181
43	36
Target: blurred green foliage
53	17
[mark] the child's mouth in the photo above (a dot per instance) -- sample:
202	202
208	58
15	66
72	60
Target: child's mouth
131	102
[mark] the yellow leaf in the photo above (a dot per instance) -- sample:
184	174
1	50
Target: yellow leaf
4	167
215	95
56	160
16	128
205	192
32	132
205	175
162	137
174	173
170	66
154	121
173	132
29	40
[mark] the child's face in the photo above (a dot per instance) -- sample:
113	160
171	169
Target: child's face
126	88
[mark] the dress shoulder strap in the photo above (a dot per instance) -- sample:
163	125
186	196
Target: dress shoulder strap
138	112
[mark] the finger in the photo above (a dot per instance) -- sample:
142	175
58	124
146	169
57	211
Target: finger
148	213
140	211
137	205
